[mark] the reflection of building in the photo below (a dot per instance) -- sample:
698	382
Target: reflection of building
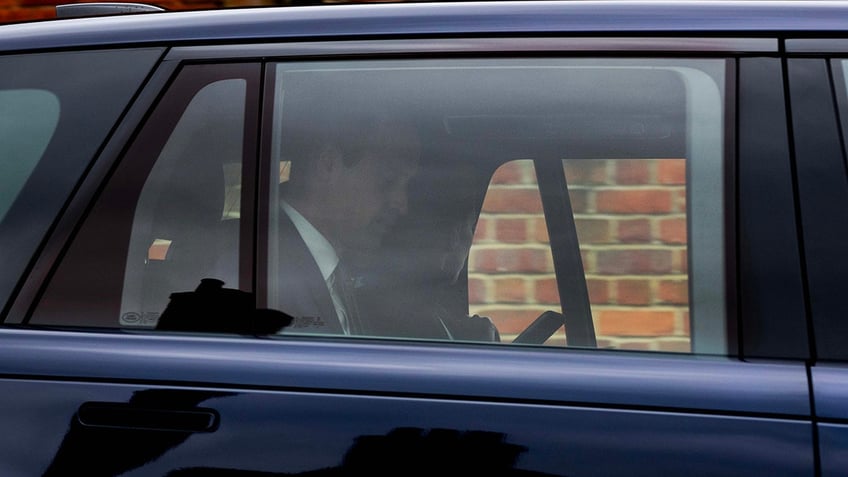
24	10
630	216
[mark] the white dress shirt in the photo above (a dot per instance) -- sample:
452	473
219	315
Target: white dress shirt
324	254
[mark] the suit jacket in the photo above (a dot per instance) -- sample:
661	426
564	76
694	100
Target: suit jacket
384	307
300	288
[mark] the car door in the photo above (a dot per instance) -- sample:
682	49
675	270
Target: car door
817	90
619	191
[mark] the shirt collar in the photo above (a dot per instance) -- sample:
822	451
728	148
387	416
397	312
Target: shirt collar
323	253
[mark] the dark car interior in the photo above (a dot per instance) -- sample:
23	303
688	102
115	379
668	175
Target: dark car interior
472	120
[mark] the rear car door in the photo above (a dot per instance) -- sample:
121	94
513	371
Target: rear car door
818	95
617	188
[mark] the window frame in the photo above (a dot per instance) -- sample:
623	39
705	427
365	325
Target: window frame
550	48
771	300
731	49
818	115
179	84
32	218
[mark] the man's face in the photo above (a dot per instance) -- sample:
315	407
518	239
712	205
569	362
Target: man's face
371	193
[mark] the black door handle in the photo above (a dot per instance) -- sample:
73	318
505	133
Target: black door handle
133	416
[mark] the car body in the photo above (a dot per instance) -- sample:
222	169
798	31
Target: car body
665	181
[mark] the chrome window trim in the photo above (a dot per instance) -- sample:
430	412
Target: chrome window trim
477	45
817	45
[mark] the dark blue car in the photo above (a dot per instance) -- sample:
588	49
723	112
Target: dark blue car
595	238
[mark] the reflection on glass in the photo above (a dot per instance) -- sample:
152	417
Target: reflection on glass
28	119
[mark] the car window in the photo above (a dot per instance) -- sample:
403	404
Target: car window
630	220
28	119
170	219
182	232
559	202
547	202
56	110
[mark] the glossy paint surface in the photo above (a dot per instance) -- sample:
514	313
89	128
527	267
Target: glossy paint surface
92	403
831	389
830	386
373	367
431	19
353	407
298	432
833	445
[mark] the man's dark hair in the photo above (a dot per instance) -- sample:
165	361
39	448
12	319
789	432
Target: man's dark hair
351	133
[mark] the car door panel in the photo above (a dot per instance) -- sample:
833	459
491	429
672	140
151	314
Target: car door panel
289	407
361	435
833	440
822	196
284	433
832	416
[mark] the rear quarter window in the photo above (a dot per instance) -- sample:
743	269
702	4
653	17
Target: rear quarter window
56	110
28	119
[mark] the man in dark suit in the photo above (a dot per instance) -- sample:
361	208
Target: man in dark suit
347	187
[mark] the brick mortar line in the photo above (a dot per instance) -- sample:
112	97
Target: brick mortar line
632	246
511	274
593	247
627	216
542	307
625	187
584	215
676	311
512	246
588	247
534	186
546	275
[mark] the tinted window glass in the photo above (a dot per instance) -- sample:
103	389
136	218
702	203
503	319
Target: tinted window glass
496	200
28	118
557	202
56	109
187	230
170	216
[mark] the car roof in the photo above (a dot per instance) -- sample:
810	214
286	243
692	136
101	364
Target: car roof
410	20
